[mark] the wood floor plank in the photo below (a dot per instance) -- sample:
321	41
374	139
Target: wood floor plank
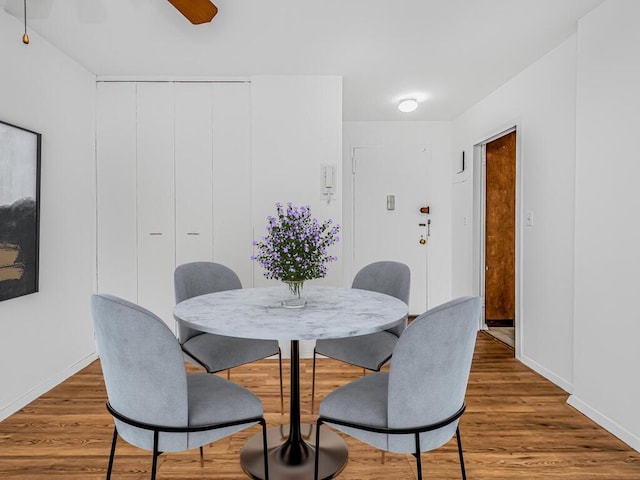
517	426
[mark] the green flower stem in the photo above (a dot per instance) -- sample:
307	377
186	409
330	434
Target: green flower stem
295	286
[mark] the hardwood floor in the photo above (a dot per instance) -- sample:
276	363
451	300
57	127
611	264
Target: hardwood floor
517	426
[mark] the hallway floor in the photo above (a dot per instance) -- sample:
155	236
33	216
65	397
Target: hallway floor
504	334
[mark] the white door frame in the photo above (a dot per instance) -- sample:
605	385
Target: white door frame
479	210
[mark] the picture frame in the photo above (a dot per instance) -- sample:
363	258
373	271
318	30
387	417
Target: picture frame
20	154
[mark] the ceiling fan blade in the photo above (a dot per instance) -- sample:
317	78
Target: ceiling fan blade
196	11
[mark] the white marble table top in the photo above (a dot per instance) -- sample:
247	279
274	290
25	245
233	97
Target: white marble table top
330	312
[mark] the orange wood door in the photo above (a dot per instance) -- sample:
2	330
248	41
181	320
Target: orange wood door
500	229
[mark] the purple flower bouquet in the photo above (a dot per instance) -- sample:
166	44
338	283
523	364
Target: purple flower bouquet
295	247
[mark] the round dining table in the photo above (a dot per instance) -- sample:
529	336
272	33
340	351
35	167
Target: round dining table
329	312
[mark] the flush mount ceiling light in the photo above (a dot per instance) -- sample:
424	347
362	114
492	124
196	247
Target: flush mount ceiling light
408	105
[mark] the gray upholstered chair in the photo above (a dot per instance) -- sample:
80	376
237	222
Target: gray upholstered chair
370	351
217	352
155	404
416	406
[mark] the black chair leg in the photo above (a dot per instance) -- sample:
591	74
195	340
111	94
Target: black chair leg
154	464
264	448
201	457
281	389
464	474
113	452
417	455
316	462
313	382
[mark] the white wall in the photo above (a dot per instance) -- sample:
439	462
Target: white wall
607	258
541	103
48	336
437	137
296	128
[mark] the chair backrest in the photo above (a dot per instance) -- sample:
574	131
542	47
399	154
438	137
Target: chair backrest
199	278
430	370
143	369
391	278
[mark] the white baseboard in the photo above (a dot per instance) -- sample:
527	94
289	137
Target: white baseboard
602	420
29	397
605	422
549	375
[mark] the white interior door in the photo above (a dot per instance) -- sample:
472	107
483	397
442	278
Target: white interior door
232	233
390	188
117	249
155	198
193	172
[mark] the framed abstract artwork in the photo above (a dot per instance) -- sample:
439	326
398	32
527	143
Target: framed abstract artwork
19	210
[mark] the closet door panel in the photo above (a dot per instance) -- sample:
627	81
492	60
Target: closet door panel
116	190
155	198
193	172
232	235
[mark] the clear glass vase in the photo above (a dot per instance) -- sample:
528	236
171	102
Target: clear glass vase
293	295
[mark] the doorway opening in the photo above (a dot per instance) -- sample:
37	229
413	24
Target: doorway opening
498	239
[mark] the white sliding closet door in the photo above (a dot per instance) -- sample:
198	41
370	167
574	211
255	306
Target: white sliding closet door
155	198
116	190
193	172
232	232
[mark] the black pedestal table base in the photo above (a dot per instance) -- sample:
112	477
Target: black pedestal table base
299	466
291	448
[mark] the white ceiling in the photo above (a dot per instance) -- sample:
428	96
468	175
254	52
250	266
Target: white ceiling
450	52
